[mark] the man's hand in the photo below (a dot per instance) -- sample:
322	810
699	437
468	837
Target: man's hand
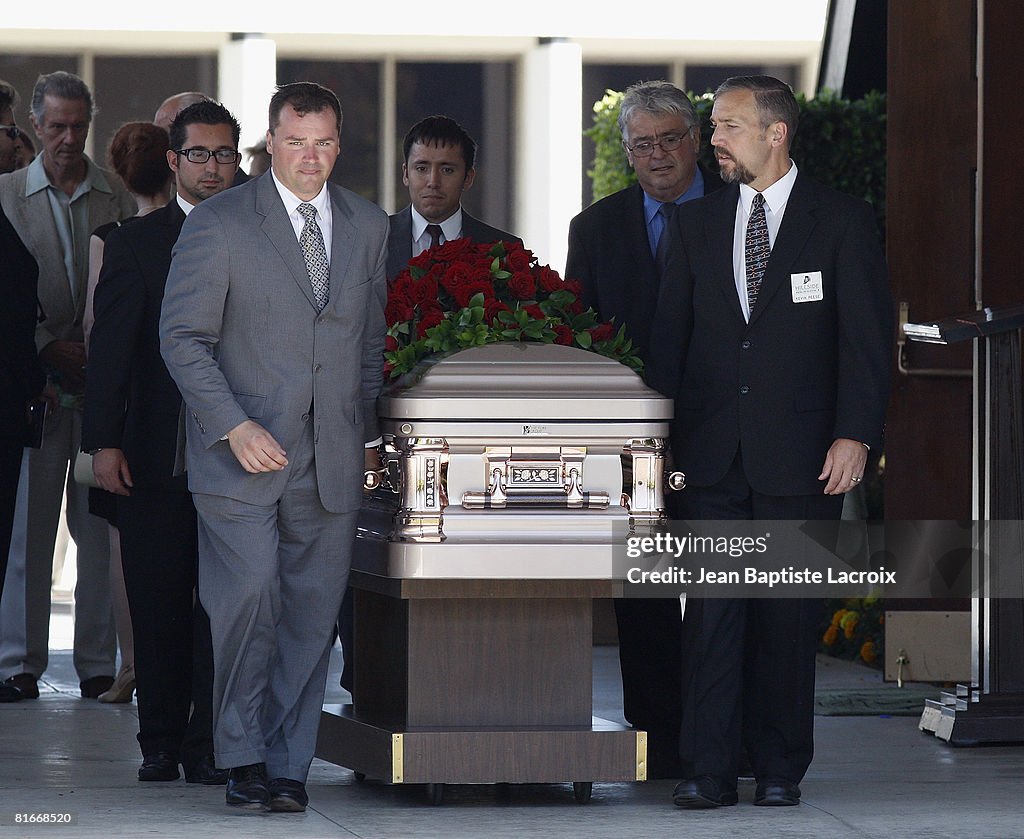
844	466
111	470
68	359
256	448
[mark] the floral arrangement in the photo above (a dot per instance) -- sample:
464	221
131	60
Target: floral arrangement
854	629
465	294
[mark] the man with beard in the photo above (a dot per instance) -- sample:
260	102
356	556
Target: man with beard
776	323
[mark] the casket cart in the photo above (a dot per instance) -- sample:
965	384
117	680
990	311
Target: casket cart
512	472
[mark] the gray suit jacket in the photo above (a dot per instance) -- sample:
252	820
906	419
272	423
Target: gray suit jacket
400	237
33	219
242	338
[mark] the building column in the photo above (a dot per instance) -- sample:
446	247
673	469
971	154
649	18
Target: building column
550	148
246	77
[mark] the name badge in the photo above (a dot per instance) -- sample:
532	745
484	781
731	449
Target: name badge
807	286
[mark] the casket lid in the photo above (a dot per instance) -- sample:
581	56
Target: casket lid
522	380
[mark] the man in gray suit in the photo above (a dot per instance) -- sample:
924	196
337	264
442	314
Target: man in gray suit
273	329
54	204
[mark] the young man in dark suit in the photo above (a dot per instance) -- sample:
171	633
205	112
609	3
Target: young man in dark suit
439	166
131	426
774	329
616	250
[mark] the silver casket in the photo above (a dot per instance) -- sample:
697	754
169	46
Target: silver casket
514	460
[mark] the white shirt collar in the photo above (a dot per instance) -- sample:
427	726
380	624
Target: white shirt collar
775	197
451	227
292	201
186	208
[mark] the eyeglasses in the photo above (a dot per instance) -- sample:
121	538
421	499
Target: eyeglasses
13	132
198	155
645	148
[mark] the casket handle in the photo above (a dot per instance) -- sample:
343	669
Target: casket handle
676	481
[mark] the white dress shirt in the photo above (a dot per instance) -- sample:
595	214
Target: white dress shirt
775	199
451	228
321	202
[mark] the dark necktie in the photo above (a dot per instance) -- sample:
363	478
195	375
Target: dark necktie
311	240
435	234
667	211
756	250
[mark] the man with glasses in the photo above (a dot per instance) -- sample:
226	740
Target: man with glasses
9	132
54	204
131	428
615	247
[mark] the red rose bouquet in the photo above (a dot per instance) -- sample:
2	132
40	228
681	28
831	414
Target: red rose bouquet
464	294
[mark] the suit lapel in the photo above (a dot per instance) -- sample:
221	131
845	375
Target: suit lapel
797	224
721	228
343	237
278	228
399	242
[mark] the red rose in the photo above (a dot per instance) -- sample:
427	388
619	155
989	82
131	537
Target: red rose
563	334
397	310
453	249
535	312
425	289
518	258
428	318
521	284
390	343
602	332
492	308
548	279
464	293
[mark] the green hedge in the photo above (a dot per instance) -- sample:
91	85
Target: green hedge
839	142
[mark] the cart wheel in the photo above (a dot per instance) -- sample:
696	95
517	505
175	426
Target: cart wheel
582	790
435	793
360	776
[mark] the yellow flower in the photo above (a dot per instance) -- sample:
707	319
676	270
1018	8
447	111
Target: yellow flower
868	652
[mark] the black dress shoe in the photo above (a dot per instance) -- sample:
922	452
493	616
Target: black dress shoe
27	685
288	796
247	787
159	766
9	693
206	772
92	688
777	794
703	793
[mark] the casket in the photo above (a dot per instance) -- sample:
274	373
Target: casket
514	460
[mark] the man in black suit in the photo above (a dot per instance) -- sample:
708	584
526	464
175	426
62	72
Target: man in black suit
131	426
21	379
774	328
615	247
439	166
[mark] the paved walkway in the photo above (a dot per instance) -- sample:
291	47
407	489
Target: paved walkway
872	777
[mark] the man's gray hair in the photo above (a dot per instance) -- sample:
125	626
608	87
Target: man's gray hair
8	96
61	85
658	98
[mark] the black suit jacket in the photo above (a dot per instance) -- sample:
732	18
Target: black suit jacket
132	403
610	254
799	375
400	237
21	375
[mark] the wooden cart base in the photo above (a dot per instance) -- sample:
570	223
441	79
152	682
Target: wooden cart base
477	682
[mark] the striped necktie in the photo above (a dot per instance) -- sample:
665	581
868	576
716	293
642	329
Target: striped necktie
756	249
